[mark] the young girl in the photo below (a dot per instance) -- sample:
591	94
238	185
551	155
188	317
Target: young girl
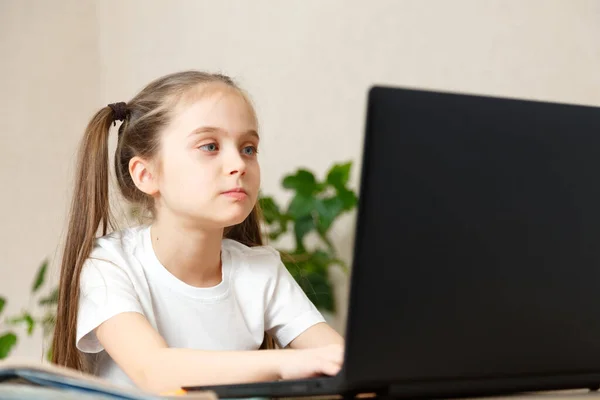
187	299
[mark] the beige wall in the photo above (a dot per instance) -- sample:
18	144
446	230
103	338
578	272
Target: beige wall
49	83
306	63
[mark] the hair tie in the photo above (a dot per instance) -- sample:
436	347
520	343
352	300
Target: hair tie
119	111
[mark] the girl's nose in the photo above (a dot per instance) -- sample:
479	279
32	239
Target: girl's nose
236	164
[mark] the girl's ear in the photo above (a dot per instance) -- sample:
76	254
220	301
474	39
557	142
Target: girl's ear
143	175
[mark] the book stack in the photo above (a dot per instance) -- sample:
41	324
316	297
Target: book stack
24	380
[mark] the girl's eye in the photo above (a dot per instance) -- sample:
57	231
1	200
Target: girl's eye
210	147
250	150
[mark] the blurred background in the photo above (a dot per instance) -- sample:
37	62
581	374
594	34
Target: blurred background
307	65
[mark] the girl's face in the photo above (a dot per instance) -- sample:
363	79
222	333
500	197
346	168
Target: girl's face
209	173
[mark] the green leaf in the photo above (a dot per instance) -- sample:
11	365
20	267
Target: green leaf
24	318
301	227
294	269
317	287
7	342
322	258
51	299
2	303
270	209
321	293
341	263
328	210
275	220
30	324
41	275
339	174
303	182
348	199
312	275
301	206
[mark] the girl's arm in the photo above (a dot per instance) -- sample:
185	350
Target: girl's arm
318	335
145	357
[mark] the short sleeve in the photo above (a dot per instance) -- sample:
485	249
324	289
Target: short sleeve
105	291
289	311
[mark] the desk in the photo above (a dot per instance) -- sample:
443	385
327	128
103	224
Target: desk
580	394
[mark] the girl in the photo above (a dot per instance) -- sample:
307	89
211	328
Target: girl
187	299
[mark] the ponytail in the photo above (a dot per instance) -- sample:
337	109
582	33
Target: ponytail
89	212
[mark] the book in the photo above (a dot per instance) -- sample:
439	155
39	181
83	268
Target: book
25	379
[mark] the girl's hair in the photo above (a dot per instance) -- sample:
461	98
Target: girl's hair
144	117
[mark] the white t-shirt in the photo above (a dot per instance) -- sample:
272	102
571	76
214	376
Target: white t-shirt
257	294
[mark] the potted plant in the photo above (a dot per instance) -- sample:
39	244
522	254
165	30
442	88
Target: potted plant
27	319
314	207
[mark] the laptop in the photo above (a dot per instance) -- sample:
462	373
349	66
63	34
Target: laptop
476	266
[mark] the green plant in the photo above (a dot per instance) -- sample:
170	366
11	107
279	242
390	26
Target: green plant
44	316
314	207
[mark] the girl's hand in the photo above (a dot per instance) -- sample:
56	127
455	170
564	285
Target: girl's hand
308	363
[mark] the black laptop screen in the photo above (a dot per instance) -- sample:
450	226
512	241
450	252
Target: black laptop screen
478	244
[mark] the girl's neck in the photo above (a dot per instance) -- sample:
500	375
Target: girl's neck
191	254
